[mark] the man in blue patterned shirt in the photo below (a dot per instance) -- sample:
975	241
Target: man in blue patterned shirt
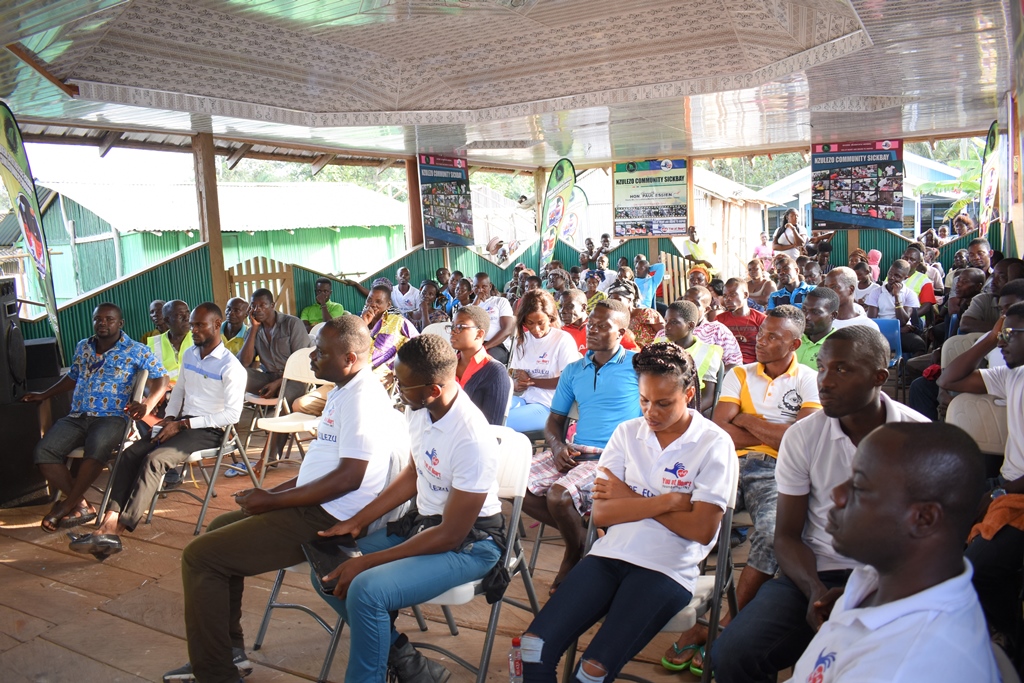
102	375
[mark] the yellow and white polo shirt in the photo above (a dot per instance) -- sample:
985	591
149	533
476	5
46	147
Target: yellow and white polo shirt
776	400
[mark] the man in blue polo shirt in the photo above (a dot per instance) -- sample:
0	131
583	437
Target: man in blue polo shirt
604	387
792	289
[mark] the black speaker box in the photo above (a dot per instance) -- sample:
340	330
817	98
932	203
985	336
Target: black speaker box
12	345
22	425
42	361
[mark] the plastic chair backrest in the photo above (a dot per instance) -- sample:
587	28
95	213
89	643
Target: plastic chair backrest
139	388
979	416
890	329
956	345
296	368
440	329
315	331
718	383
514	460
1006	670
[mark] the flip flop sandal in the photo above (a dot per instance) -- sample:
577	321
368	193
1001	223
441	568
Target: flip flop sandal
50	523
682	666
698	670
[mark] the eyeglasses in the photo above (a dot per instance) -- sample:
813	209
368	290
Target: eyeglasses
459	328
1007	332
414	386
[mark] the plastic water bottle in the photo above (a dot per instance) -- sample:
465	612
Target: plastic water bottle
515	662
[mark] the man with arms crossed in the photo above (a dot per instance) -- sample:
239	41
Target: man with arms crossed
910	614
358	437
816	455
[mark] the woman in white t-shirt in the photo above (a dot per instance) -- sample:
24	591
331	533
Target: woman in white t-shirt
789	238
664	482
541	352
865	284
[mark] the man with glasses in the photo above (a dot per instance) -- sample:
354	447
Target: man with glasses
483	378
604	387
998	551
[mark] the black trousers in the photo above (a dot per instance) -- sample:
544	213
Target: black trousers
145	463
998	568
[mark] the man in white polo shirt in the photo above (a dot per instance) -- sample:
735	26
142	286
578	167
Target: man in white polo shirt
998	551
759	402
815	456
360	440
498	340
206	399
453	536
911	614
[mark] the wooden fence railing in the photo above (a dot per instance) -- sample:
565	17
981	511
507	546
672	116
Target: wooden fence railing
260	272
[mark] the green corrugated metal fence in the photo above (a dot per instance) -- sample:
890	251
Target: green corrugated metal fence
185	277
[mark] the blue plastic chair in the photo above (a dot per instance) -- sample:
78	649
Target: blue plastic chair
890	329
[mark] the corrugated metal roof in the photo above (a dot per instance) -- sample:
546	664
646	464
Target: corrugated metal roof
244	207
722	187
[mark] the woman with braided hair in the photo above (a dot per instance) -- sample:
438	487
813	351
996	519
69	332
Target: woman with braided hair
664	481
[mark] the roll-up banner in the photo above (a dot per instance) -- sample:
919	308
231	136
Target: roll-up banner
561	182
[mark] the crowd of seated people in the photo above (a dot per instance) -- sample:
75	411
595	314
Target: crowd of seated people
641	418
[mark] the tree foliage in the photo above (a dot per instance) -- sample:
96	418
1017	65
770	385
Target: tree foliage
968	185
756	172
390	181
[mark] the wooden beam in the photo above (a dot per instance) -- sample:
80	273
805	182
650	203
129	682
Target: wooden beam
321	161
108	141
412	179
237	156
388	163
36	65
203	154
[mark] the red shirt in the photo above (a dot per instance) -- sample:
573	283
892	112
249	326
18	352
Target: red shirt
579	334
745	330
475	363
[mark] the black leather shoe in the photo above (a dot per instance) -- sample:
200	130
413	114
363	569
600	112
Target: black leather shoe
407	665
100	546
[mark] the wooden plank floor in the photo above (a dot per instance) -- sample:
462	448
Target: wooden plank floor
66	617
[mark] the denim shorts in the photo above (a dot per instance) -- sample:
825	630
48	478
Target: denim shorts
759	495
99	436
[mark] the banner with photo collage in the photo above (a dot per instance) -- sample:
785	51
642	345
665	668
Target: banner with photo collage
21	189
445	202
857	185
650	198
561	182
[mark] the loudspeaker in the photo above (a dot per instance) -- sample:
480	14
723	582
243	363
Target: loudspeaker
22	425
42	361
12	345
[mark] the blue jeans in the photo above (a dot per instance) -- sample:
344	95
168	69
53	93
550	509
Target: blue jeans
98	435
635	602
759	495
526	417
769	634
395	585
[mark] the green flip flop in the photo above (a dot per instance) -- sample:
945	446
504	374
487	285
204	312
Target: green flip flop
672	666
698	670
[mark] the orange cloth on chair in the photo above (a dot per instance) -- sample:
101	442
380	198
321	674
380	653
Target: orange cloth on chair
1004	510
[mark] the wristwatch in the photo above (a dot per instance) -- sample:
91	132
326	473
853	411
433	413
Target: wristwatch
997	493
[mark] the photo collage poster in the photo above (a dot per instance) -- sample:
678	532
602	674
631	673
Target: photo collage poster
445	202
857	185
650	198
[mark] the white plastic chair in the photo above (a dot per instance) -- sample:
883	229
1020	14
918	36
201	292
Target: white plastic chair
284	421
513	476
262	406
980	416
138	388
315	330
440	329
229	444
956	345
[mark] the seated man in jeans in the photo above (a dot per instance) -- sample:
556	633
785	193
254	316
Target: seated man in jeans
816	456
102	375
604	386
205	400
759	402
344	469
453	536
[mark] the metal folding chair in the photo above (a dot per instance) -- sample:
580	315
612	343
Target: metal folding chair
229	444
138	388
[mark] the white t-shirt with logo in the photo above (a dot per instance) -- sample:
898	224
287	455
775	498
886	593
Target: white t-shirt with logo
861	295
497	307
701	462
1007	383
883	300
410	301
459	451
360	422
938	634
815	456
544	358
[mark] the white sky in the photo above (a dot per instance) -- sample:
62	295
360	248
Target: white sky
74	163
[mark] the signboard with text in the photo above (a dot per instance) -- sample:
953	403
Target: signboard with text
650	198
445	202
857	185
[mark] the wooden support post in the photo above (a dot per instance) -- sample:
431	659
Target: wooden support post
412	181
540	183
852	241
203	154
108	141
321	162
